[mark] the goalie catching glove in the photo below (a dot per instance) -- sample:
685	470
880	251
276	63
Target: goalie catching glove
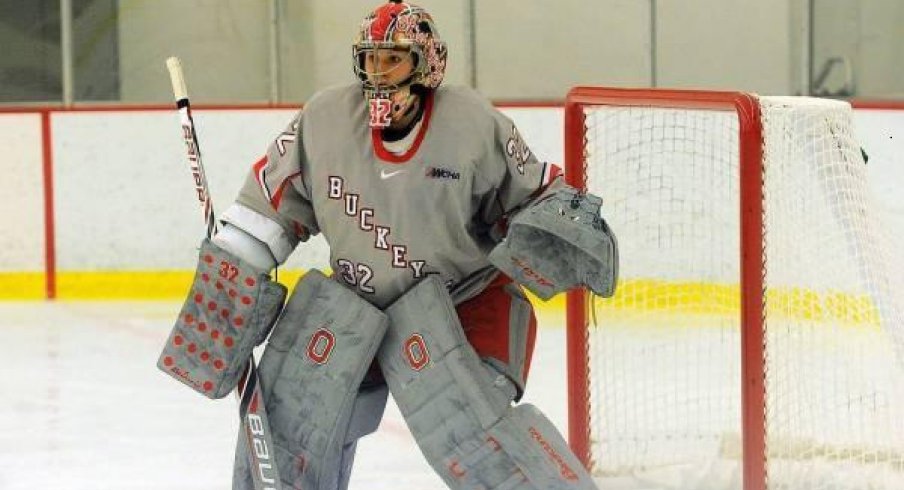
229	310
560	242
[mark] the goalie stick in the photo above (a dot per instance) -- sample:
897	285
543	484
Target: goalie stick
252	410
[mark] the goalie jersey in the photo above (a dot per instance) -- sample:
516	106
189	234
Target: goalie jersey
392	218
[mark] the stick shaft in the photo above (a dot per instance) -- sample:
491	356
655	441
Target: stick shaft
193	150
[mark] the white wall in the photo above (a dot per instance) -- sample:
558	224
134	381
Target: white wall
125	196
21	194
125	199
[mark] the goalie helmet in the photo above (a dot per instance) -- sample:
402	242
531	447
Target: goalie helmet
400	27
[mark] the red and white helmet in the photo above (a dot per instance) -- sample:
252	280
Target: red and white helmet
400	26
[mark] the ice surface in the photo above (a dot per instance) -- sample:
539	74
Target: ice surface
85	408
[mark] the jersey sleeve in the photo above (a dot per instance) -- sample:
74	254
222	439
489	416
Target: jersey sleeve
513	177
275	192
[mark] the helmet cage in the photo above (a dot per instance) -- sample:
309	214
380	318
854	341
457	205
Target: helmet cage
367	79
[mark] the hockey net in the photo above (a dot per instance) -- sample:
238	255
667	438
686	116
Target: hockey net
755	338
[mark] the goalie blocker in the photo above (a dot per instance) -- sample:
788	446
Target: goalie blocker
560	242
230	309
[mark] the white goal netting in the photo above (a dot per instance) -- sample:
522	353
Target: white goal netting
665	356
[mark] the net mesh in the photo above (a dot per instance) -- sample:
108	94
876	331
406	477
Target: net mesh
665	358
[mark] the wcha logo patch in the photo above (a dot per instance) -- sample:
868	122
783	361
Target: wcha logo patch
441	173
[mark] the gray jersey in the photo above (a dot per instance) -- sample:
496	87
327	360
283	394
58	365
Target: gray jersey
391	219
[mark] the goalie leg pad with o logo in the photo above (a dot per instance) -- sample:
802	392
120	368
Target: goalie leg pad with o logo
230	309
459	408
310	373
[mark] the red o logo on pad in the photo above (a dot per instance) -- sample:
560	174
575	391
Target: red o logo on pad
415	351
321	345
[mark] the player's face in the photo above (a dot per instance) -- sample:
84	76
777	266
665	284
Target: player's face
388	67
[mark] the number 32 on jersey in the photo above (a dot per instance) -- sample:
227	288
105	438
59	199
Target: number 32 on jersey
358	275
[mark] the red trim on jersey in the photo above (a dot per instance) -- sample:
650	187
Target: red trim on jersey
259	175
388	156
252	408
259	167
300	230
277	196
550	173
275	199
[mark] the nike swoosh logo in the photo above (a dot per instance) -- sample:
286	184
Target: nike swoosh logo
385	175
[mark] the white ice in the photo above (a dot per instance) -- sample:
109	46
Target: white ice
85	408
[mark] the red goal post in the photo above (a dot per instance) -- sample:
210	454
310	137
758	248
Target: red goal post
746	107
